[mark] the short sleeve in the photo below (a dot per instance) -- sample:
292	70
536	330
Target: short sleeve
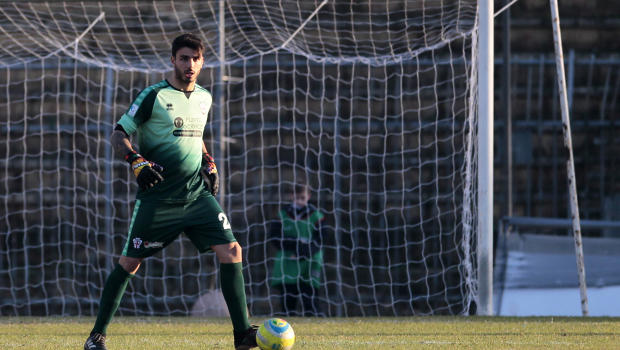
128	124
139	111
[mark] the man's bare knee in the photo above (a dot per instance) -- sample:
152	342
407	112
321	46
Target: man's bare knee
228	253
130	264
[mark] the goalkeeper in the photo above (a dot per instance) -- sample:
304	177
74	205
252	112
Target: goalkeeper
178	181
297	233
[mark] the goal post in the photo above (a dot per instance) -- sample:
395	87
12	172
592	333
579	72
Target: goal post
485	139
373	104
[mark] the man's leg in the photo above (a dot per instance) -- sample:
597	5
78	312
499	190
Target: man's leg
233	289
150	222
281	291
208	229
233	284
113	291
310	298
290	295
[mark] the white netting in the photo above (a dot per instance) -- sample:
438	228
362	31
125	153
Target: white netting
136	35
370	102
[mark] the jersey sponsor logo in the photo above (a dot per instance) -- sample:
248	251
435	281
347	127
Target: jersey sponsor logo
137	242
178	122
153	244
133	110
203	107
187	133
169	107
191	127
189	123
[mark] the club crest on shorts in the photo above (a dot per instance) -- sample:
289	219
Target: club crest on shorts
137	242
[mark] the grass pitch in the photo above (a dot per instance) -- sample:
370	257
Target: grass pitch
427	332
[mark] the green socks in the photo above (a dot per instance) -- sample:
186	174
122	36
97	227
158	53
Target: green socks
233	289
111	296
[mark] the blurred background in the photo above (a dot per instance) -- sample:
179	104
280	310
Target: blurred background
370	103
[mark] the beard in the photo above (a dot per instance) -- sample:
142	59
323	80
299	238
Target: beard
180	75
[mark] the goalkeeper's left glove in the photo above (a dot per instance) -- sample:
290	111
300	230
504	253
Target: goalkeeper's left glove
210	171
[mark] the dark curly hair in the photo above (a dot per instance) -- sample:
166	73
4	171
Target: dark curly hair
187	40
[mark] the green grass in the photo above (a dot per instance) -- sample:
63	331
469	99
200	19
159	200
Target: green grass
128	333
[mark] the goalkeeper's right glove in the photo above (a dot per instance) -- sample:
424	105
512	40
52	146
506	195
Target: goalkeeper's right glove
147	173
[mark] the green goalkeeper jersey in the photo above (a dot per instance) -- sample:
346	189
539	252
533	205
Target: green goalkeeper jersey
170	125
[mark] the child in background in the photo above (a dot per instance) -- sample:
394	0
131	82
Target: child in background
297	234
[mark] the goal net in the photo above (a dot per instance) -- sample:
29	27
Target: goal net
369	103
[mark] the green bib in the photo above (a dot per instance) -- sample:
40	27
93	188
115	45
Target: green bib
289	268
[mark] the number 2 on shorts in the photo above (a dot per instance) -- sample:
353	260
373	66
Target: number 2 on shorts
225	223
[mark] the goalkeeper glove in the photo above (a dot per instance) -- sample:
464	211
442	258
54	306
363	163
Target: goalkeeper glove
147	173
210	171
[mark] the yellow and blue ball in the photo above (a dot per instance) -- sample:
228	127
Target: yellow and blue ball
275	334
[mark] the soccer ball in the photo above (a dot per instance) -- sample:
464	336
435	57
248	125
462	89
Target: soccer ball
275	334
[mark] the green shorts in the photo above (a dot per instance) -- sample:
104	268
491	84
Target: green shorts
154	225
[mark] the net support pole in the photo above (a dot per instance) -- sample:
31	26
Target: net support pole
507	107
485	159
220	132
109	156
570	164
